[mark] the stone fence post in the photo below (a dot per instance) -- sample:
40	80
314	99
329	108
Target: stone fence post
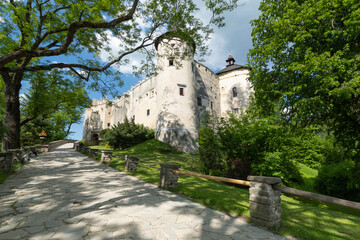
106	156
265	202
131	163
85	150
168	179
92	152
6	162
16	155
77	146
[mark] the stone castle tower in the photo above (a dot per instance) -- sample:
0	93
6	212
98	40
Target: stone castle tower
174	100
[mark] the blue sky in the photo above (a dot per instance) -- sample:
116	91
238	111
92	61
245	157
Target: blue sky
234	39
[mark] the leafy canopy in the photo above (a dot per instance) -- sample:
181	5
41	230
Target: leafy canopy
306	61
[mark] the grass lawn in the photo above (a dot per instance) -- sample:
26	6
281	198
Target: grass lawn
301	218
4	176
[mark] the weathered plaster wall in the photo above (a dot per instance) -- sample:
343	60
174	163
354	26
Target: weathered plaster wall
229	80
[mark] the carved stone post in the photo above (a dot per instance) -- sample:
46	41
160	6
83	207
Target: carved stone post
93	152
168	179
16	155
265	202
6	162
76	146
131	163
85	150
106	156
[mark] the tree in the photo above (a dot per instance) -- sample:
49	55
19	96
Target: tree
306	62
306	59
53	102
34	30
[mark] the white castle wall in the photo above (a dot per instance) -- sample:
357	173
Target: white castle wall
227	81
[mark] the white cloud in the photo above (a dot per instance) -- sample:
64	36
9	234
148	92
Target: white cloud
234	38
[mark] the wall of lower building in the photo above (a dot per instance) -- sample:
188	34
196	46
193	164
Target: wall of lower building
227	82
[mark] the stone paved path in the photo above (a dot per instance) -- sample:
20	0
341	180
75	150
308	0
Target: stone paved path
64	195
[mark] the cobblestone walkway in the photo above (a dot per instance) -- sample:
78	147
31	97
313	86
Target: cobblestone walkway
64	195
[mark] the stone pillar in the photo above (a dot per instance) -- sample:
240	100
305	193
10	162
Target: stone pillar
76	146
131	163
265	202
168	179
106	156
16	155
85	150
6	162
92	152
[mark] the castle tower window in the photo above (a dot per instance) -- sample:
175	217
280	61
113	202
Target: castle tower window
234	92
181	91
108	124
199	101
148	112
171	61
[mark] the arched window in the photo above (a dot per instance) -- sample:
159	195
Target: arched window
234	92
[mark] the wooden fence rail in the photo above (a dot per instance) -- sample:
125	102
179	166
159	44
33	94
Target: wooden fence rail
222	179
318	197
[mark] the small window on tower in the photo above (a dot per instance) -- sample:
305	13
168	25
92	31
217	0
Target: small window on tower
181	91
234	91
199	101
108	124
171	62
148	112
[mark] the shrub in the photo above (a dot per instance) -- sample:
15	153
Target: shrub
209	148
127	134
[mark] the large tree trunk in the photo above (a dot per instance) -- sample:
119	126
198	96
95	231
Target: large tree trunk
11	138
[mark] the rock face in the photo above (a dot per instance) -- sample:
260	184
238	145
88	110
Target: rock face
174	100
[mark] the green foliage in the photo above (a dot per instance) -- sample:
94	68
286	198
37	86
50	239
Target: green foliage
104	136
128	134
210	154
248	145
53	103
305	61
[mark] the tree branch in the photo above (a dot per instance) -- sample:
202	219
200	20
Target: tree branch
71	31
74	65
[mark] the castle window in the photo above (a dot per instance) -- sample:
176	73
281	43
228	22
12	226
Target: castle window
148	112
108	124
199	101
234	92
181	91
171	61
211	105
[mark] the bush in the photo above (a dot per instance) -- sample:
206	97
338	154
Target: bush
127	134
335	179
276	164
339	176
209	150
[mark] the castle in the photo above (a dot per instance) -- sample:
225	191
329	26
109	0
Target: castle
174	100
